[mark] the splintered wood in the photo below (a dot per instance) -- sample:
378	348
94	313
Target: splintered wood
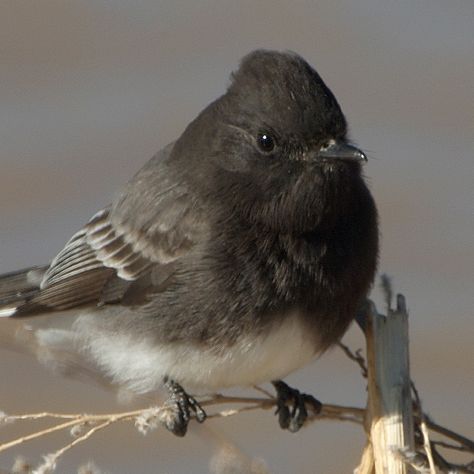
389	418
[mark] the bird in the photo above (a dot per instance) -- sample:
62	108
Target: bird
238	254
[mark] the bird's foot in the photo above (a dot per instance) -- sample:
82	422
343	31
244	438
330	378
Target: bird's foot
183	408
291	406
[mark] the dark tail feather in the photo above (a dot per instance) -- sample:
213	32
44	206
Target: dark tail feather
17	288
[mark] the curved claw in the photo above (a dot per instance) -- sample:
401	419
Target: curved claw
291	406
184	406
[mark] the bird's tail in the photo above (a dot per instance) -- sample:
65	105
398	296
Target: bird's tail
53	344
18	288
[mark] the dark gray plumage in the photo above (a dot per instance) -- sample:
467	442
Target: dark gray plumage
234	256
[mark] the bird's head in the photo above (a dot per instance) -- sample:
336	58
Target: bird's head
276	146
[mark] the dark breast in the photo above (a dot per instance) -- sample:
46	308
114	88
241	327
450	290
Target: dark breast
324	274
244	277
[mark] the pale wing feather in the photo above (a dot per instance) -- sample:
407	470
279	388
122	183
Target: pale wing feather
154	222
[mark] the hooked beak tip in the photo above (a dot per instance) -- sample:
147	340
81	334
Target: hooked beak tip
342	151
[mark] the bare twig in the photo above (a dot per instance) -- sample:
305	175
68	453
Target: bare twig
424	430
263	391
355	415
462	440
356	357
51	459
454	447
146	419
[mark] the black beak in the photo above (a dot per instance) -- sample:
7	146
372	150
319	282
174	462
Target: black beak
341	151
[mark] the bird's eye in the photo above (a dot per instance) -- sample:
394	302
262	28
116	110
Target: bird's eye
266	142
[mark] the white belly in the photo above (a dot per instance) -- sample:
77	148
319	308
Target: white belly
141	365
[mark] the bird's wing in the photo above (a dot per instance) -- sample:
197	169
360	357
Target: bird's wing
131	244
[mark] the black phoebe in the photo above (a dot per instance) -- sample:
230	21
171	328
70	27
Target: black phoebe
235	256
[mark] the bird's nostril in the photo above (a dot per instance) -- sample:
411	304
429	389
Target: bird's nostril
326	144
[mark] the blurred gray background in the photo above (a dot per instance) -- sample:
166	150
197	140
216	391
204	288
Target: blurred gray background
89	90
